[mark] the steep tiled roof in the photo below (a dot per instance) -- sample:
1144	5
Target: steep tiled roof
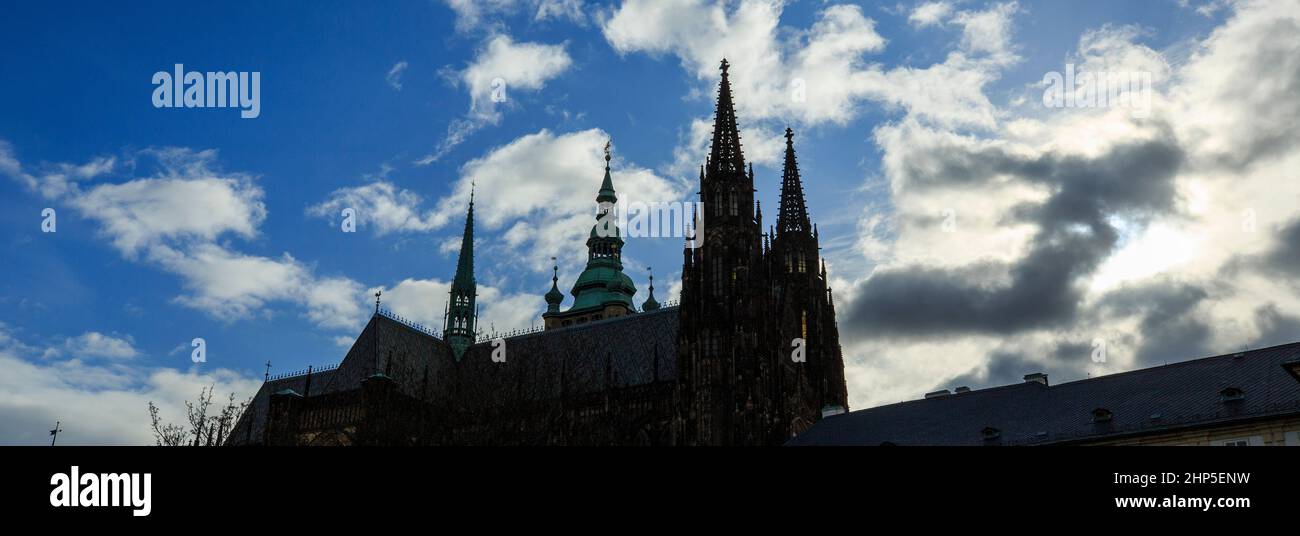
1171	396
618	352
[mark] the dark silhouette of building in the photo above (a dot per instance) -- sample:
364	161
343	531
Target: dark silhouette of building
750	355
1246	398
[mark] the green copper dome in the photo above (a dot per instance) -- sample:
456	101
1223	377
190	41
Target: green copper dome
603	281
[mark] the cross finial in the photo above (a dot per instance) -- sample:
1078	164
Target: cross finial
267	376
377	294
55	433
555	270
725	65
789	135
607	144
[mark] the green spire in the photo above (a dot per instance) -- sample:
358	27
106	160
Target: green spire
603	281
606	194
465	264
458	321
554	298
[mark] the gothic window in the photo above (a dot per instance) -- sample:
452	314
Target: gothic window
803	266
734	202
803	325
717	276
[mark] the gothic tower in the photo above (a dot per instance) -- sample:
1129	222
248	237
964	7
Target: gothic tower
458	320
802	310
718	345
758	349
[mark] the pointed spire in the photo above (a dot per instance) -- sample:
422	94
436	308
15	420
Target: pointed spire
793	214
725	156
650	303
606	194
554	297
465	263
458	322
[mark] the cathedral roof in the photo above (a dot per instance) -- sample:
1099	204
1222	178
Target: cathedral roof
625	351
1178	395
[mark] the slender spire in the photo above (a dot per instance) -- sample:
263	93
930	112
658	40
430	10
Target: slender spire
458	326
725	157
465	264
650	303
793	214
606	194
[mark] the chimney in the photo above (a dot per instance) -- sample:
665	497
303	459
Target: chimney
962	389
1037	377
938	394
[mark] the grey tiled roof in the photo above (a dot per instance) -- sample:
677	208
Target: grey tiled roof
1166	397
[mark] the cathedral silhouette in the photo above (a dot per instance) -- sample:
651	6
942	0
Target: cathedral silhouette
749	355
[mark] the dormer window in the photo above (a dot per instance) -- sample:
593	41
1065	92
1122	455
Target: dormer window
991	434
1232	394
1101	415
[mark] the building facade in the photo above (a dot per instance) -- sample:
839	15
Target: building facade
750	355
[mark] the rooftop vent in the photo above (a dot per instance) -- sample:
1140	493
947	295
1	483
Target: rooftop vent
962	389
1101	415
1037	377
937	394
830	411
1232	394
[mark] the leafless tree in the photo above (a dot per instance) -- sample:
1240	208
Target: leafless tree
203	429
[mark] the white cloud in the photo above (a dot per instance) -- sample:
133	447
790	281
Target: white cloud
424	301
93	344
501	67
477	14
144	212
1181	278
828	60
95	404
382	206
930	14
174	219
394	76
551	213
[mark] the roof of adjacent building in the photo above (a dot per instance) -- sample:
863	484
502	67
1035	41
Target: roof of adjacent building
1187	394
618	352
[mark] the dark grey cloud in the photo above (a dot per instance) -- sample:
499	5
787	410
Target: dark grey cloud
1284	257
1275	326
1073	238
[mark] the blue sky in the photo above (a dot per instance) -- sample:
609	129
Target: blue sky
357	105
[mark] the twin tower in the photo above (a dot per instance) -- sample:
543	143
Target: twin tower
758	358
